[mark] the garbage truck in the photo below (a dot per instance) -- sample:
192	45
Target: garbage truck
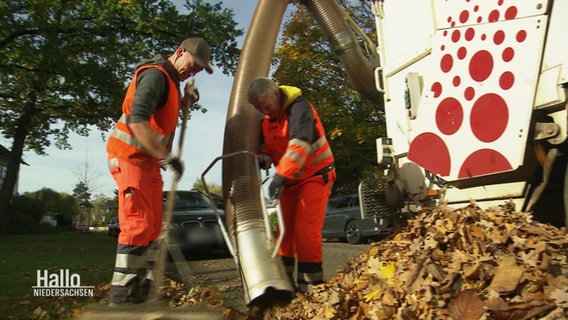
474	93
475	103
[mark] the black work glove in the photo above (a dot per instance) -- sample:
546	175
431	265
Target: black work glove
276	186
264	161
174	163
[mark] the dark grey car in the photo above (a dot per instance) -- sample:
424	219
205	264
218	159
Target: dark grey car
194	223
343	220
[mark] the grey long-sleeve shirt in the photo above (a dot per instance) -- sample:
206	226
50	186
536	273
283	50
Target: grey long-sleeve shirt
151	89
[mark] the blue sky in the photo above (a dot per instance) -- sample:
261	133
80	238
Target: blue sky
203	141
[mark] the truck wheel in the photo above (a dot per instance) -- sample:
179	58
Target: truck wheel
353	233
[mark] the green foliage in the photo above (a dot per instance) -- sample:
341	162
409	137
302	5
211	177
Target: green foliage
25	211
306	60
69	61
24	215
91	255
82	194
64	65
104	208
216	191
214	188
54	202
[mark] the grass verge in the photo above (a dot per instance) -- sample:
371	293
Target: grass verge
89	255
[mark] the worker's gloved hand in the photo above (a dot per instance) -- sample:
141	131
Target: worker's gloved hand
191	93
174	163
276	186
264	161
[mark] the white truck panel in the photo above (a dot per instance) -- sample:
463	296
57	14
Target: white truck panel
475	111
479	69
459	13
407	41
492	77
555	60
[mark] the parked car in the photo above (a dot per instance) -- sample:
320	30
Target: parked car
113	228
194	225
343	220
81	228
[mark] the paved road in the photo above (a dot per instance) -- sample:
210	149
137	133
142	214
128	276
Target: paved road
219	271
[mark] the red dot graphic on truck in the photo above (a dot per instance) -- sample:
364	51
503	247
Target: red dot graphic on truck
482	162
481	65
479	99
447	63
449	116
429	151
506	80
489	117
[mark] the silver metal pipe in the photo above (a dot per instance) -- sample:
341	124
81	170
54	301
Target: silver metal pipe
338	27
262	274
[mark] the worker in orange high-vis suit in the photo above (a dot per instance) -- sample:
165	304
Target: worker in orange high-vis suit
293	139
138	147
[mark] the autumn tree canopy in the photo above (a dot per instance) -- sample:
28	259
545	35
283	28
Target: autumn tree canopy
305	59
64	65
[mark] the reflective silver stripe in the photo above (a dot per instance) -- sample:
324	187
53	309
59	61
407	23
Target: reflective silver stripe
126	138
112	163
294	155
122	279
150	275
124	118
302	144
130	261
319	143
306	281
129	139
321	157
312	277
310	149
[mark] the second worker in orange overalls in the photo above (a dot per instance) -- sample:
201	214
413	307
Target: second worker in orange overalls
293	139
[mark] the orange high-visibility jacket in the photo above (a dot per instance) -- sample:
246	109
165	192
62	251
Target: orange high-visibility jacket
294	158
123	145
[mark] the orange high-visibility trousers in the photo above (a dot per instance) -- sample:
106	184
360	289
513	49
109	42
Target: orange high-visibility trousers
303	210
140	207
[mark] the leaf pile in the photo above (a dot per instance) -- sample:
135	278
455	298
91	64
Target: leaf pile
447	263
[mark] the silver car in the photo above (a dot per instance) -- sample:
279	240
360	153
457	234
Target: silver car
343	220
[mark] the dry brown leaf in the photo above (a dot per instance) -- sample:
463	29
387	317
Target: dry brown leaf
523	312
507	276
435	270
477	232
443	252
389	299
466	305
560	297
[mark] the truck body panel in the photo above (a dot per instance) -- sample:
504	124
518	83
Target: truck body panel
475	95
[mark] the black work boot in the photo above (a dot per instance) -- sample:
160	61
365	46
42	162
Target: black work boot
126	295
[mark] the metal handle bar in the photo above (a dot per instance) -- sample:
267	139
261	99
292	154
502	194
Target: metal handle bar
280	220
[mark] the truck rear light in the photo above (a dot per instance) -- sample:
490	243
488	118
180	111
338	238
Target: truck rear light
433	193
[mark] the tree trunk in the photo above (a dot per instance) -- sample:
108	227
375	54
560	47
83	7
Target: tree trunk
13	170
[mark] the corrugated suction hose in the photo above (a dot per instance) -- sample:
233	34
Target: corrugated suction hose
260	272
